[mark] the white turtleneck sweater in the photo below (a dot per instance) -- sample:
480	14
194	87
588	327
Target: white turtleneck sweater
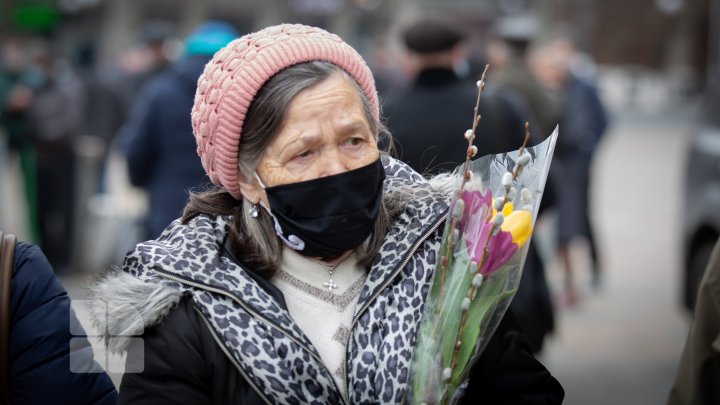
323	315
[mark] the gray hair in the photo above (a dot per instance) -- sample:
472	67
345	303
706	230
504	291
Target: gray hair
253	238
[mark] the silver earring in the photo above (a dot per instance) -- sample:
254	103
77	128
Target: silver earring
254	212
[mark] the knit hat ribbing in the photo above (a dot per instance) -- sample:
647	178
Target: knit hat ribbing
237	72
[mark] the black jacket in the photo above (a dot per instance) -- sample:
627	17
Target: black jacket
429	120
506	373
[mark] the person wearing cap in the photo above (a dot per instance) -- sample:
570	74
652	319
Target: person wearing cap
429	119
301	277
157	137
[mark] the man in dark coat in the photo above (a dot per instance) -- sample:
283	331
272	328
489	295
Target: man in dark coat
429	120
157	139
51	360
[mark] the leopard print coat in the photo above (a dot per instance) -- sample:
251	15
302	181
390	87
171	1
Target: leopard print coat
258	334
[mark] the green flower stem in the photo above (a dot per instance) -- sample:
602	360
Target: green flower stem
463	318
445	258
453	222
472	291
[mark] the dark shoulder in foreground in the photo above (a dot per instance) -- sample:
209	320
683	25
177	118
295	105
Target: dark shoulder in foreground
508	373
49	362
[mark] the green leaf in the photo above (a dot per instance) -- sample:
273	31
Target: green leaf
423	360
488	295
442	309
436	289
456	289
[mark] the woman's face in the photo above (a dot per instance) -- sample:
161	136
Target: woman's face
325	132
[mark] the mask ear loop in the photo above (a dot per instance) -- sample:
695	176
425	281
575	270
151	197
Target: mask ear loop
259	181
291	241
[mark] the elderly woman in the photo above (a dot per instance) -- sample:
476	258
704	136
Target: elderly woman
301	278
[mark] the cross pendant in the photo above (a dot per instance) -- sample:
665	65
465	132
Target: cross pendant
330	285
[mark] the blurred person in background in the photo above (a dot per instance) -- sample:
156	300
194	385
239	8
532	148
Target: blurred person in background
152	56
428	121
157	139
510	70
15	98
104	110
302	277
583	124
698	375
390	76
55	117
50	358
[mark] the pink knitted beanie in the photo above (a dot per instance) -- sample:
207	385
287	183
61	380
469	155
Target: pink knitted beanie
237	72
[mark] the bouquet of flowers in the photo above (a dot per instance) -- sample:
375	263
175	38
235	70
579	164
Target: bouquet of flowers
480	262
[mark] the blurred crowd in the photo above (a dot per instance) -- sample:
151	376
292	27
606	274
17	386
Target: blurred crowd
57	111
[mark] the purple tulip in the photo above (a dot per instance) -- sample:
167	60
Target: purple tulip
477	224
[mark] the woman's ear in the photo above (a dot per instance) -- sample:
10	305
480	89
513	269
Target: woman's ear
250	189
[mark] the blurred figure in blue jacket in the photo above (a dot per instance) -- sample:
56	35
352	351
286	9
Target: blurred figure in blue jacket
50	359
582	126
157	139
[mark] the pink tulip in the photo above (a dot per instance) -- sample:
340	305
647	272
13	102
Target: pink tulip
476	224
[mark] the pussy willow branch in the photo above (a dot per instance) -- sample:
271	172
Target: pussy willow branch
476	120
472	291
515	174
445	258
467	175
517	168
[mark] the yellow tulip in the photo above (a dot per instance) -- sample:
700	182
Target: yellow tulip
507	209
519	224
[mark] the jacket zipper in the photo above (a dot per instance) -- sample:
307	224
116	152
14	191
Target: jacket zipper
249	310
387	282
231	358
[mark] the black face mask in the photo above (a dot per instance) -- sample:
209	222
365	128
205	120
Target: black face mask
328	216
